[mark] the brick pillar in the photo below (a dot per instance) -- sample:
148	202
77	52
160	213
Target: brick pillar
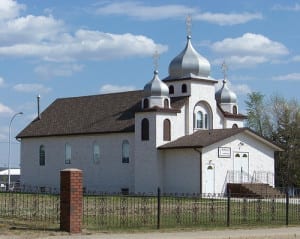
71	200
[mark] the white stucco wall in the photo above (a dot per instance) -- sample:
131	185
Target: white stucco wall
261	158
109	174
147	166
205	92
181	171
229	122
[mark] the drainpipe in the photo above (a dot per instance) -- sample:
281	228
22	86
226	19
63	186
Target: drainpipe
200	174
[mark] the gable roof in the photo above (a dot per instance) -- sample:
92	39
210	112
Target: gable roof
204	138
107	113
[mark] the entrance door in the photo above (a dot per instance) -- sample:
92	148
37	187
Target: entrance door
210	179
241	167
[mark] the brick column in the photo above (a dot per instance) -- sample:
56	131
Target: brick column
71	199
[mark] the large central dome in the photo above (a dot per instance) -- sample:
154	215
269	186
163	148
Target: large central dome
189	63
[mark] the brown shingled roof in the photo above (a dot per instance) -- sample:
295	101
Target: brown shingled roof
203	138
107	113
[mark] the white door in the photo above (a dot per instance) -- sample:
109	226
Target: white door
241	167
210	179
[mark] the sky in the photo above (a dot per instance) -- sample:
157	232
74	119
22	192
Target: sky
59	49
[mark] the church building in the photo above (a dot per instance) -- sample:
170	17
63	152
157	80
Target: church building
178	133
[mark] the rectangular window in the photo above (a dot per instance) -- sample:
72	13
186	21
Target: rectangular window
125	151
68	154
42	155
96	153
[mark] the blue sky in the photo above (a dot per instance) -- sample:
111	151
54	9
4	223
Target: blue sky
84	47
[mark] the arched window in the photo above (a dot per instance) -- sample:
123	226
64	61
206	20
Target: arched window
68	154
96	153
42	155
166	103
167	130
183	88
146	103
234	109
205	121
199	120
171	89
125	151
234	126
145	129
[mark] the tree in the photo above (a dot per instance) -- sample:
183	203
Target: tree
258	119
278	119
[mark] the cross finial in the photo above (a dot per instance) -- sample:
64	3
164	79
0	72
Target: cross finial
155	60
224	70
188	25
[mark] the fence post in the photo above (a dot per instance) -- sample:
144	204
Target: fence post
71	200
287	201
158	208
228	207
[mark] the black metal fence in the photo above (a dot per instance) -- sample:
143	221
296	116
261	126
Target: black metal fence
115	211
107	211
39	209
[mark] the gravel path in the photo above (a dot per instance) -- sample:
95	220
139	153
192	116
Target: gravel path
261	233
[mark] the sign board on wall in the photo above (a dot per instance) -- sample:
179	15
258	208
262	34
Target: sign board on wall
224	152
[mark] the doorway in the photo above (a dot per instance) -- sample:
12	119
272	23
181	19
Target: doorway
210	178
241	167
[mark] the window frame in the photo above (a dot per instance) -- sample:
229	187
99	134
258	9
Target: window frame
125	151
96	153
199	120
183	88
42	155
234	110
68	153
145	129
167	130
171	89
146	103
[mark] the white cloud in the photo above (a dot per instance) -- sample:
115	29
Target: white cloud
250	44
147	12
249	50
288	77
138	10
27	88
296	58
10	9
115	88
47	38
241	61
5	109
223	19
61	70
1	81
30	29
279	7
86	44
239	89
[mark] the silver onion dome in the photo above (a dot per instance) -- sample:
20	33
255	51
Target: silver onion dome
156	87
189	62
225	95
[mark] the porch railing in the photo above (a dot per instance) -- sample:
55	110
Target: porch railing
243	177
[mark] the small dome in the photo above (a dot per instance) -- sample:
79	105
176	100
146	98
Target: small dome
225	95
156	87
188	62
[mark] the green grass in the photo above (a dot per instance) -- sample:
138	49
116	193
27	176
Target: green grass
140	212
